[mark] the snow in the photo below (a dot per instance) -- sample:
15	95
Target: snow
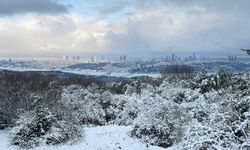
4	145
110	137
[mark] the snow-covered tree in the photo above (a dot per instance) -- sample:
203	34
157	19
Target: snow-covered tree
40	126
162	124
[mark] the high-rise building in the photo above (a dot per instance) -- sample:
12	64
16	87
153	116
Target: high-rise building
232	58
120	59
124	58
174	57
65	57
194	56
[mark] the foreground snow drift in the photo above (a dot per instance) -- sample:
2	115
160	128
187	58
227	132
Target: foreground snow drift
110	137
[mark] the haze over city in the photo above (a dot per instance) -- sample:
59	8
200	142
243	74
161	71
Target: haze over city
53	28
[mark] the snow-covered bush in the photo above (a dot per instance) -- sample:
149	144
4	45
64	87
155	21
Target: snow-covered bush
95	107
64	131
137	85
204	83
41	126
203	137
160	125
126	110
132	104
32	127
221	80
84	104
217	135
219	122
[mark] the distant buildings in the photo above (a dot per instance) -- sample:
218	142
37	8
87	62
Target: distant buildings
76	58
172	58
191	58
232	58
65	57
123	58
71	58
175	58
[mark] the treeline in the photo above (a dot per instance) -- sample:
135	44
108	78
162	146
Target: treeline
179	71
18	89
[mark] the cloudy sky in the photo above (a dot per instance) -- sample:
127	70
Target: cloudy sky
52	28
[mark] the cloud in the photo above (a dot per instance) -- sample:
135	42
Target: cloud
110	7
159	31
10	7
154	27
36	35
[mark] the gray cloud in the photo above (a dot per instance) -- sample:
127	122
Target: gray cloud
152	27
179	25
194	30
10	7
109	7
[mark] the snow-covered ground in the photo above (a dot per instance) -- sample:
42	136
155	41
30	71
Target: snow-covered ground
110	137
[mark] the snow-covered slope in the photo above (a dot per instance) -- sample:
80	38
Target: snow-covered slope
110	137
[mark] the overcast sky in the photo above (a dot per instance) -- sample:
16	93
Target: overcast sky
48	28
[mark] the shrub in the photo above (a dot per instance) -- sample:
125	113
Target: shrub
224	124
161	125
41	126
63	132
127	109
32	127
84	104
215	136
5	120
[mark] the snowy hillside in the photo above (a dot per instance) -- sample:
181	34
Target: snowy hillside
202	112
111	137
